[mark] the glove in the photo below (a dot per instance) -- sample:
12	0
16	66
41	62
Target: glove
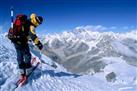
40	46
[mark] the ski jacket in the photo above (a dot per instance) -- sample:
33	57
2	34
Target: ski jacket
29	33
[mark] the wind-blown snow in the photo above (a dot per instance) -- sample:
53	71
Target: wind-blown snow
107	62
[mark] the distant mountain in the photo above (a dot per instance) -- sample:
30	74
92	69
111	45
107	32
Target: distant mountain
84	51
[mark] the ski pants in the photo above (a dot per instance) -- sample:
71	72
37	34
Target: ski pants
23	56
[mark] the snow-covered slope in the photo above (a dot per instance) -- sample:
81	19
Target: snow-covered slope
83	51
111	71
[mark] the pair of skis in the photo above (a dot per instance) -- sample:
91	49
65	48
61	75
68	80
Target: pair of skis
22	82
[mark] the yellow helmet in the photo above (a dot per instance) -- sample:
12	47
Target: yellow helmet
36	20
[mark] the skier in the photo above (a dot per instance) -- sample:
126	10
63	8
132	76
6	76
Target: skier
22	46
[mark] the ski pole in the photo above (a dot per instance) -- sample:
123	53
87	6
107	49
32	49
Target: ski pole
40	52
52	63
41	63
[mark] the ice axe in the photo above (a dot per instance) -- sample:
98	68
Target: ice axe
12	15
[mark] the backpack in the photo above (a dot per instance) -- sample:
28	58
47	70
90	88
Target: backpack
17	32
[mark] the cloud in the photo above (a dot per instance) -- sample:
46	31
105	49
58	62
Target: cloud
102	28
99	27
129	28
92	28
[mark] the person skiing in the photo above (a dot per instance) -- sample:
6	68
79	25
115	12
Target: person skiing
22	46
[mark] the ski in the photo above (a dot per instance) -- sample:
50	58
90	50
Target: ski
22	82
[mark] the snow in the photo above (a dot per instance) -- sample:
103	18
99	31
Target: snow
48	78
125	72
123	49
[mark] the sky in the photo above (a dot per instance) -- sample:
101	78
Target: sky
61	15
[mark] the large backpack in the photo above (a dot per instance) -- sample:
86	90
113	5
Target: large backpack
17	32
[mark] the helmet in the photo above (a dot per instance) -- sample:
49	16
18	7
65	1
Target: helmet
36	20
39	19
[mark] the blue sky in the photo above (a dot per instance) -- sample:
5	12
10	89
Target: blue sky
60	15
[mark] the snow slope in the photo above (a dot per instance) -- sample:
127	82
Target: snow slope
47	78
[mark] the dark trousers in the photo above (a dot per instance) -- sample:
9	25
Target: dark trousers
23	56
